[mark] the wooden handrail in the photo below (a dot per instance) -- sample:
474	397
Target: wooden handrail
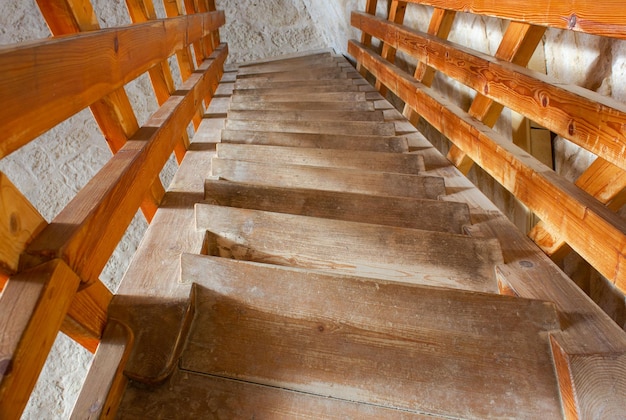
68	70
53	269
604	18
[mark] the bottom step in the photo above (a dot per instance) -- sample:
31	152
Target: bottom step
420	349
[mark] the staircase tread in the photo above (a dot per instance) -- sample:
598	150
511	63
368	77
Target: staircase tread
364	128
295	105
354	159
442	216
304	97
296	89
395	144
329	179
369	250
244	84
309	74
305	115
414	348
269	61
306	71
327	62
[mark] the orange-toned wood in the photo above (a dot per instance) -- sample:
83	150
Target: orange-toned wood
199	46
440	26
33	71
370	8
160	75
519	42
20	223
598	18
591	229
602	180
32	308
87	231
87	315
592	121
68	16
396	14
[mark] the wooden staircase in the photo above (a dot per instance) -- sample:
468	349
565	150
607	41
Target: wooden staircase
338	273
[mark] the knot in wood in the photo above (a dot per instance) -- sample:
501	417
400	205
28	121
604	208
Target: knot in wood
571	22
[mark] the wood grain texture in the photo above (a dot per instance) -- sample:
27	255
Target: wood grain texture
32	307
352	159
396	254
321	141
33	71
308	97
302	105
271	61
305	115
78	234
214	397
442	216
591	229
20	223
251	84
342	340
105	382
354	128
329	179
592	121
606	18
299	89
282	67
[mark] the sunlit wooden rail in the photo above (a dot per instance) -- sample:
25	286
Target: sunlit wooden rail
50	271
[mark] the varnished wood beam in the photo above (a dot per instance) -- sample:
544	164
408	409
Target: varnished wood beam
366	39
592	121
87	231
596	233
34	71
396	15
604	18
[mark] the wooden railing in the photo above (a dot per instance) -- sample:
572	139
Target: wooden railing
581	214
49	271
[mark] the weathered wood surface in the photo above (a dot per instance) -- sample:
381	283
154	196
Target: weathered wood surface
329	179
307	57
243	85
354	128
317	74
278	67
296	90
394	144
296	105
32	72
434	215
605	18
307	97
305	115
89	228
341	340
308	71
384	252
214	397
591	229
588	119
353	159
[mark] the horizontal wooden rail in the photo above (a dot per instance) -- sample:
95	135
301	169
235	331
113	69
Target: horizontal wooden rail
590	228
598	18
68	71
88	229
590	120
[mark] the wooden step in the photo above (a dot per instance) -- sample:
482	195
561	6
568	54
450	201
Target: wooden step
308	71
306	97
420	349
353	128
306	115
291	66
245	84
271	61
383	252
354	159
394	144
196	396
293	90
329	179
302	106
441	216
309	74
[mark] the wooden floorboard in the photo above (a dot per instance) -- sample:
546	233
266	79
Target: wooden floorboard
305	115
434	215
295	105
305	97
437	351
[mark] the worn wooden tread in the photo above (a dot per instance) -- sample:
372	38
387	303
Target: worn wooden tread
358	128
441	216
326	62
320	74
308	71
247	84
305	115
414	348
354	159
368	250
271	61
329	179
192	395
296	89
295	105
395	144
305	97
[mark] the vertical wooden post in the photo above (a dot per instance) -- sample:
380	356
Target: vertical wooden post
366	39
397	10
